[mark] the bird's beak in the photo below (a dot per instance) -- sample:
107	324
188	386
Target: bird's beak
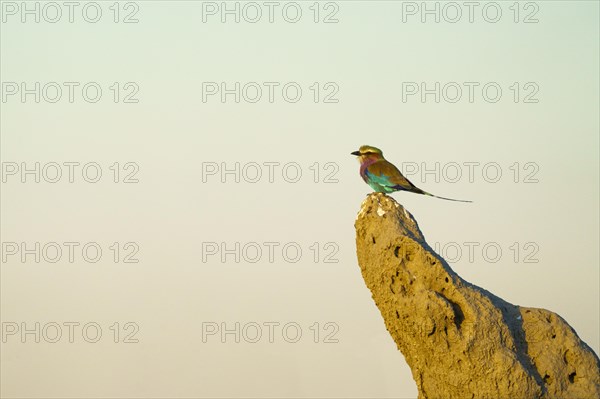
357	153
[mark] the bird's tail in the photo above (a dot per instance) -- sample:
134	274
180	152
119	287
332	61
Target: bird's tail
444	198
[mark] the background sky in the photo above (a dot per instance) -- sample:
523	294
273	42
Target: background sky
266	251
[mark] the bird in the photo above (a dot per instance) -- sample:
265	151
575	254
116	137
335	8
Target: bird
383	176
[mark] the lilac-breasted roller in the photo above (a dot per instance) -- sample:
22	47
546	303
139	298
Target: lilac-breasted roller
384	177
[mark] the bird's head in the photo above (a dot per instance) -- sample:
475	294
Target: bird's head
367	152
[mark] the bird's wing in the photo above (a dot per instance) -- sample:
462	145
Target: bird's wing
386	174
